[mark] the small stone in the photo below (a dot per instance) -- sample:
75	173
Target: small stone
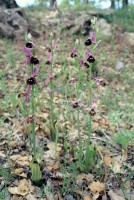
119	65
69	197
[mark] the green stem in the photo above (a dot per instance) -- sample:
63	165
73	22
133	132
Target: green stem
33	123
89	103
51	98
78	117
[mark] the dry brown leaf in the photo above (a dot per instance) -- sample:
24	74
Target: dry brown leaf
87	197
95	196
107	160
97	187
88	177
21	160
114	196
22	189
117	167
52	146
18	171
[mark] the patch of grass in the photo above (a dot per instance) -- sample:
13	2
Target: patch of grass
123	17
124	138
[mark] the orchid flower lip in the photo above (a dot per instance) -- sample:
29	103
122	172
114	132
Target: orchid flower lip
86	65
34	60
48	62
88	42
91	59
31	81
73	54
29	45
29	119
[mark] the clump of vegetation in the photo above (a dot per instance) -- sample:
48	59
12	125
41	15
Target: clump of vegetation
124	138
123	17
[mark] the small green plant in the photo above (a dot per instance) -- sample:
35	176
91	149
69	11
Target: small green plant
6	174
69	176
124	138
3	192
29	95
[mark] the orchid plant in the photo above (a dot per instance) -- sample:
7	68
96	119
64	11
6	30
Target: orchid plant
32	61
85	61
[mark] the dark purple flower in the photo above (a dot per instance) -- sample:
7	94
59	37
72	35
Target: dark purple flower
77	103
31	81
83	60
88	42
91	59
29	45
92	109
29	119
34	60
49	57
73	54
100	81
91	40
86	65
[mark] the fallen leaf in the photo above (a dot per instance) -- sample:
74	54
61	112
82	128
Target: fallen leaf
87	177
21	160
114	196
117	167
18	171
107	160
95	196
22	189
97	187
87	197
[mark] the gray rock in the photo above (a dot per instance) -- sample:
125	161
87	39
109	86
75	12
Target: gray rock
13	23
69	197
119	65
104	27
